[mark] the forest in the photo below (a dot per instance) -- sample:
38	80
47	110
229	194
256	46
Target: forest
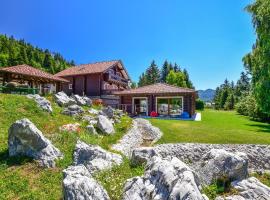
15	52
251	95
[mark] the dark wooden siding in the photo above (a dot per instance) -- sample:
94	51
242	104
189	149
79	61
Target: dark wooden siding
93	85
188	104
65	86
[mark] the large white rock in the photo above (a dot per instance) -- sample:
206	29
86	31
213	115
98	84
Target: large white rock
63	100
73	110
164	179
108	111
78	184
41	102
249	189
25	139
143	155
150	133
94	158
223	165
105	125
82	101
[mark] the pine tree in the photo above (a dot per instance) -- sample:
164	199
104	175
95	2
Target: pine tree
166	68
152	74
189	84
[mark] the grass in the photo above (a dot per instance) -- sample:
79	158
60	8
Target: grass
22	178
217	127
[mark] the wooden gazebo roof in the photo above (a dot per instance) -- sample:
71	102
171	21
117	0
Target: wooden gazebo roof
30	73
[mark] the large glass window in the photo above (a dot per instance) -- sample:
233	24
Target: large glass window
170	106
162	106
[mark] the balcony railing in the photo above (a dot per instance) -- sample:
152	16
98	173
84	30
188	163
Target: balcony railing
109	77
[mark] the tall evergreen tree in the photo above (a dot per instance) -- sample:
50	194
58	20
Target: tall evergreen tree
165	70
189	84
152	74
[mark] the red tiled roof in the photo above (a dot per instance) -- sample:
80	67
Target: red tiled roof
158	88
91	68
31	71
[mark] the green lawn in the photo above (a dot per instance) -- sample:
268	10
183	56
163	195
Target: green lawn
21	178
216	127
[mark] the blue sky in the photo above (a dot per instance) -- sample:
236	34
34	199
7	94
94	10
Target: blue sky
208	37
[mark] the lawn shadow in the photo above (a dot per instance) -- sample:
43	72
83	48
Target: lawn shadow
261	127
14	160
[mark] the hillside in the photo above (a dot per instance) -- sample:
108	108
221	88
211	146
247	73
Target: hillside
22	178
15	52
207	95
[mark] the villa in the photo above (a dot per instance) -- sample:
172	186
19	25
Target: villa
108	81
163	99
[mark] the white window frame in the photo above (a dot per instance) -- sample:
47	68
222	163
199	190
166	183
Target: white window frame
169	97
146	98
70	86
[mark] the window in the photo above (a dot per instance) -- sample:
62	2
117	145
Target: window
169	106
70	86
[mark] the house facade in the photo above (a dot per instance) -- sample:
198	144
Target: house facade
25	77
163	99
97	80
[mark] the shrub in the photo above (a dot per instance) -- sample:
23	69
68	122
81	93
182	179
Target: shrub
199	104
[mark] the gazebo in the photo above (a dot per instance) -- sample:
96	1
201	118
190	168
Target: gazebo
33	80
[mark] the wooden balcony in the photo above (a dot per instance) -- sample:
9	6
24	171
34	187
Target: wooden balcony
113	78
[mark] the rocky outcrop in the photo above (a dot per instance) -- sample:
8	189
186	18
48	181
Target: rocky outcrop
108	111
105	125
164	179
70	127
142	155
42	102
73	110
249	189
25	139
219	164
63	100
82	100
151	134
141	131
258	155
78	184
94	158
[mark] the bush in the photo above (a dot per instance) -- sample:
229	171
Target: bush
199	104
248	106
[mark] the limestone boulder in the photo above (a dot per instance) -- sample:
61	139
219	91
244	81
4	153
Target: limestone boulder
150	133
25	139
73	110
249	189
108	111
80	185
142	155
42	102
105	125
219	164
164	179
62	99
82	100
94	158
